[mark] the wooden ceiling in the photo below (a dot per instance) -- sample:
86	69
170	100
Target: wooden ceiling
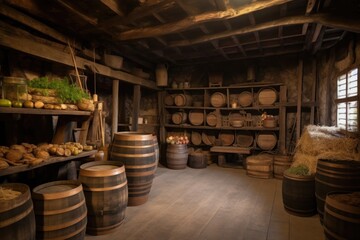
183	32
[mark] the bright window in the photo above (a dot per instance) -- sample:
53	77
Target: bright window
347	100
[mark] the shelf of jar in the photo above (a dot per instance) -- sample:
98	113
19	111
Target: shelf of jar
188	126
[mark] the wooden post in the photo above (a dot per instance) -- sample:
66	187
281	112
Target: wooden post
313	93
282	120
115	108
299	98
136	105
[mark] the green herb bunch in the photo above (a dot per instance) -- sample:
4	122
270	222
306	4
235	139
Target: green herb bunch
67	92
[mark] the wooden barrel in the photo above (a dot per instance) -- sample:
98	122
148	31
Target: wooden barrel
218	99
211	119
197	160
169	100
281	163
267	96
244	138
342	216
17	219
181	100
260	166
298	194
106	194
266	140
157	151
335	176
60	210
245	99
136	151
195	138
227	138
179	117
176	156
196	117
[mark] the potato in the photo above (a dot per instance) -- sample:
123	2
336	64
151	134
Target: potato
42	154
20	148
14	155
67	152
60	151
3	164
28	104
49	106
39	104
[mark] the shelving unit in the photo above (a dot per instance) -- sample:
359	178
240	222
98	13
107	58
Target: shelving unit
216	103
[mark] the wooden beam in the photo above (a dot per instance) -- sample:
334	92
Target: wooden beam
92	21
299	98
310	6
282	120
137	13
222	5
44	51
352	25
192	21
115	108
188	8
249	29
313	90
136	107
114	6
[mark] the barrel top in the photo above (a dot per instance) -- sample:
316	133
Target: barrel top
132	136
57	189
6	205
101	168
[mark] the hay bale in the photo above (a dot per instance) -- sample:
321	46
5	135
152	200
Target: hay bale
311	161
316	140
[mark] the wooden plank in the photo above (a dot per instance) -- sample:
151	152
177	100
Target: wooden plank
51	160
33	111
229	149
313	90
299	98
115	108
84	16
282	120
44	51
114	6
192	21
136	107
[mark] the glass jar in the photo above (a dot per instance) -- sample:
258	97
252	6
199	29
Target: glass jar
14	89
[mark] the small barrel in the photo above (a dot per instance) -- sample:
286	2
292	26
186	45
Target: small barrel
176	156
181	100
17	219
197	160
335	176
227	138
218	99
266	140
106	194
270	123
169	100
179	117
281	163
341	216
196	138
260	166
298	194
211	119
244	139
136	151
196	117
267	96
60	210
245	99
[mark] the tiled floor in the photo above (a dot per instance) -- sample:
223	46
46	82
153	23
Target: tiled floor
214	203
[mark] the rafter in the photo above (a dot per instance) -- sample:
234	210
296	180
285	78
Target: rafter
324	19
114	6
192	21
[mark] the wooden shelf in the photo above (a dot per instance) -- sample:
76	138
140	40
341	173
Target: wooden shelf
231	149
51	160
225	108
35	111
188	126
239	86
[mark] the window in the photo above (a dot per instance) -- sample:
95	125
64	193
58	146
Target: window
347	100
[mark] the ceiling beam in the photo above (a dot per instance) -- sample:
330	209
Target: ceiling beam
192	21
222	5
92	21
352	25
114	6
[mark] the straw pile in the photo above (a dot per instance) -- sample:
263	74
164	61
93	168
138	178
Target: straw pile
319	142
